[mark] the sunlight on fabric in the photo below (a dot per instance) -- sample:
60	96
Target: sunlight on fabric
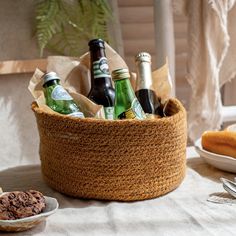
9	131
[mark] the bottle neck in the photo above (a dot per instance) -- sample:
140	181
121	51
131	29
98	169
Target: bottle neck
123	87
144	75
96	53
51	82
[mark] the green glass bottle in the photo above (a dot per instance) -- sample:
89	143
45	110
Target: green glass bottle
57	98
127	105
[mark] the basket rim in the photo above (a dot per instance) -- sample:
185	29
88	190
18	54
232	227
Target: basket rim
181	110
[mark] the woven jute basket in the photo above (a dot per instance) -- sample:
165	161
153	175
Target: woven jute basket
122	160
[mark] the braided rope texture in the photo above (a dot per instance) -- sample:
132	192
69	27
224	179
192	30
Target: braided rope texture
123	160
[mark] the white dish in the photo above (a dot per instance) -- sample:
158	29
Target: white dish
231	127
29	222
222	162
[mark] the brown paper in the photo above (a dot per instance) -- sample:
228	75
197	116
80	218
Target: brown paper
35	87
162	83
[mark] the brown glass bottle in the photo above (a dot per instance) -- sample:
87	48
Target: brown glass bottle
102	91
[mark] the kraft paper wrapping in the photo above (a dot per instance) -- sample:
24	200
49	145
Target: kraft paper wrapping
75	77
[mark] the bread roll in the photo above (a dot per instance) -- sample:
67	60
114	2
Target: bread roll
220	142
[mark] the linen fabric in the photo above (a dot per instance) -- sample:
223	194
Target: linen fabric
184	212
211	59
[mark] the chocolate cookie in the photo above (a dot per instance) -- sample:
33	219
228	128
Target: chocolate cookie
17	204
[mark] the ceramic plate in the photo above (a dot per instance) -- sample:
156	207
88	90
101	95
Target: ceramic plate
222	162
29	222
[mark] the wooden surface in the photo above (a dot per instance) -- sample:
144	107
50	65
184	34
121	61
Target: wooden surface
22	66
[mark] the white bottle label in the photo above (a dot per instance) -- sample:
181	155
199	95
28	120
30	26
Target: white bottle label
59	93
77	114
100	68
109	113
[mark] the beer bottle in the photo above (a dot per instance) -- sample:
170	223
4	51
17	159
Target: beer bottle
102	91
127	105
144	90
57	98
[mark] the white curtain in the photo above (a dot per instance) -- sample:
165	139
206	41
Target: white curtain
212	59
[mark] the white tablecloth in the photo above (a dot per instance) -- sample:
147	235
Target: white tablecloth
185	211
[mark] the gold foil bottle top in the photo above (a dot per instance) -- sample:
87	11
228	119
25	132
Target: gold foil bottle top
119	74
143	57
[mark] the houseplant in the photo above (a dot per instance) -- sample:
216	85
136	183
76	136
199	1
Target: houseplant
65	26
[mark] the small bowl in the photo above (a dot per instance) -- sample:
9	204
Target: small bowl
31	221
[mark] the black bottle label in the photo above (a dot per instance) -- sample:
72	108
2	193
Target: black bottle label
100	68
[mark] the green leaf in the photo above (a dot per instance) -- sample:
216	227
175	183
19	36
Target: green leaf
65	27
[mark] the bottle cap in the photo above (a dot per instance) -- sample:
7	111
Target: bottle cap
50	76
143	56
121	73
96	43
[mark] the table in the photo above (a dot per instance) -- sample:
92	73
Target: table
184	211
